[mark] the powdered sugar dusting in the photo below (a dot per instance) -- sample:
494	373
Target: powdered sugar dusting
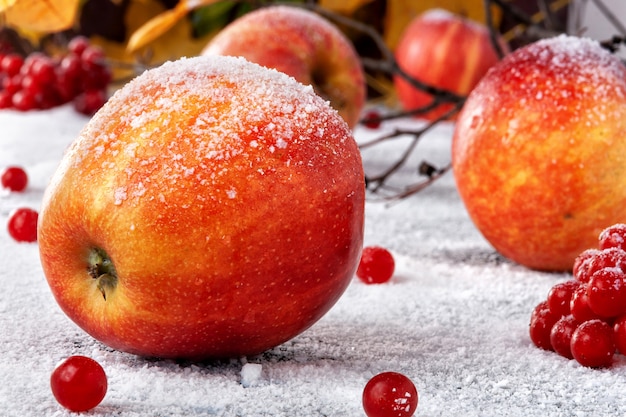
221	108
454	319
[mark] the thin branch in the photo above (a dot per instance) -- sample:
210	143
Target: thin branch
380	179
493	33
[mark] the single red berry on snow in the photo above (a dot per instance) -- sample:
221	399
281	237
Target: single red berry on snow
79	383
376	265
14	178
371	119
390	394
22	225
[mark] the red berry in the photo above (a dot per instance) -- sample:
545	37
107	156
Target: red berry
613	237
581	264
606	292
579	305
29	61
22	225
560	295
541	322
24	100
12	84
561	335
89	102
79	383
376	265
43	70
6	100
14	178
11	64
93	56
371	119
619	334
96	78
390	394
593	345
606	258
78	44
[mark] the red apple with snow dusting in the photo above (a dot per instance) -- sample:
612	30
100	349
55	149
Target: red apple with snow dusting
443	50
539	151
212	208
301	44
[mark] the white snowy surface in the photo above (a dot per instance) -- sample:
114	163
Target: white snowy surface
454	319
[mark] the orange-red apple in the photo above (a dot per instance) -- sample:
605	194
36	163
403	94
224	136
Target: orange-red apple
539	151
212	208
303	45
443	50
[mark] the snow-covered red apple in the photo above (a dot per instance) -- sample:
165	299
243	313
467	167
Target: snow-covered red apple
443	50
539	151
212	208
301	44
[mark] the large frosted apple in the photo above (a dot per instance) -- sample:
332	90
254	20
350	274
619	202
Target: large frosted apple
539	151
212	208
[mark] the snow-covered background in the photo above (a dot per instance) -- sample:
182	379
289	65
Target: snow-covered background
454	319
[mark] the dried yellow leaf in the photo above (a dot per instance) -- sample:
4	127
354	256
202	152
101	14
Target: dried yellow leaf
40	15
178	42
5	4
160	24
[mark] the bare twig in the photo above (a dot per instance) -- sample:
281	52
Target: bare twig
376	183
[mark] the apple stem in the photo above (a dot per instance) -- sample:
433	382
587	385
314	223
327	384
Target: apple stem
101	268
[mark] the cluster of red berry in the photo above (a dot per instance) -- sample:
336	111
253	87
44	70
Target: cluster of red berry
39	81
585	318
22	223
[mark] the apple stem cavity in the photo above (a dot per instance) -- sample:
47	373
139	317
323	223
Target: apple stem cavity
101	269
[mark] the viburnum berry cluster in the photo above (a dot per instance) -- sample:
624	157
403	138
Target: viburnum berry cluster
585	318
39	81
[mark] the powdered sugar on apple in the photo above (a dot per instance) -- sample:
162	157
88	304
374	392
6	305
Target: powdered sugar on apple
232	123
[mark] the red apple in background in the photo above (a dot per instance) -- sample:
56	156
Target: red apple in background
446	51
212	208
539	151
303	45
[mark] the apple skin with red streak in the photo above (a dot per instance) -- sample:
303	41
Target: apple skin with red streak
539	151
301	44
446	51
212	208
